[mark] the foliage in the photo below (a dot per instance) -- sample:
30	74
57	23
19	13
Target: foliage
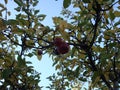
92	31
17	37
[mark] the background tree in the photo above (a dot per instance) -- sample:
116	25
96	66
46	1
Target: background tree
17	38
85	47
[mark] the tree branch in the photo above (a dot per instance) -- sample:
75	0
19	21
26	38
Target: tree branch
97	8
89	53
110	6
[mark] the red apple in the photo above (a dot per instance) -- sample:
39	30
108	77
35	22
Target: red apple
57	41
40	52
63	48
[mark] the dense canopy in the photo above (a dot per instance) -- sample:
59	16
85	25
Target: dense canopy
84	45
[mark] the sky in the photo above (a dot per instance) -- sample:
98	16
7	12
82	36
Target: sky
50	8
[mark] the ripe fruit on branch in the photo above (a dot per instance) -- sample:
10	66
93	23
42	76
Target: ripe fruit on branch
40	52
57	41
63	48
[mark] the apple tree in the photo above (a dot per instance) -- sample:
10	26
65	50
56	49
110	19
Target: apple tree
92	30
17	37
84	45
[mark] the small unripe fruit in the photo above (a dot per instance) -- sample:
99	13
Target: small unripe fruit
57	41
40	52
63	48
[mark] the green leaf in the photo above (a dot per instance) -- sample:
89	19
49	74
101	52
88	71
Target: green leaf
6	73
19	2
117	23
35	3
41	17
66	3
95	75
27	12
77	71
28	62
36	12
30	55
82	79
100	39
55	62
112	15
1	5
73	52
86	1
18	9
21	62
12	22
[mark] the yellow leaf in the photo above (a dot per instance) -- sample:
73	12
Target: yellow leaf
58	67
2	24
2	37
54	20
62	26
117	13
1	50
107	37
105	15
1	62
96	81
30	42
107	76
